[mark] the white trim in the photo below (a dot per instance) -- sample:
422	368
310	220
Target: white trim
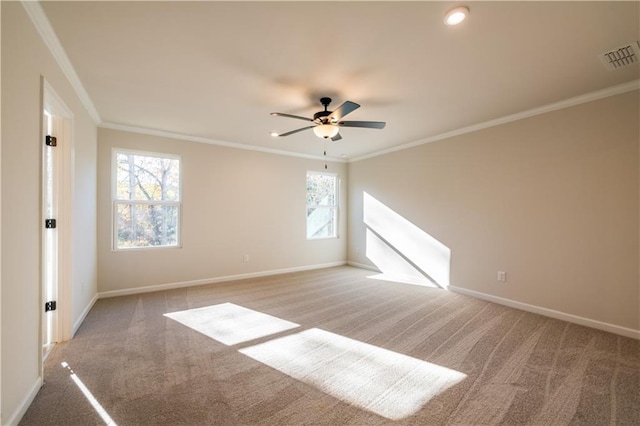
24	404
335	208
53	102
115	201
56	106
0	230
171	286
143	153
44	28
330	174
83	315
577	100
575	319
198	139
42	24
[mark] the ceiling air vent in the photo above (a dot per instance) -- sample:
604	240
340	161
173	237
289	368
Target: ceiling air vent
622	56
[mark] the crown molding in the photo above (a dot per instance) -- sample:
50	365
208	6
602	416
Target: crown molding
198	139
44	28
577	100
41	22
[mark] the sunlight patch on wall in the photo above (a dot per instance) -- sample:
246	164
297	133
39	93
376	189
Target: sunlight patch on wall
231	324
387	383
409	244
393	266
92	400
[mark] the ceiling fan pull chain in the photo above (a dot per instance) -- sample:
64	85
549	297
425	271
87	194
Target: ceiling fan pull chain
325	154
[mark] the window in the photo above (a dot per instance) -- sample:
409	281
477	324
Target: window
322	205
147	200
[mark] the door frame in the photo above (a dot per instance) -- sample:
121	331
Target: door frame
53	104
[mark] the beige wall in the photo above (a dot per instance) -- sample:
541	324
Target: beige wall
25	60
552	200
235	202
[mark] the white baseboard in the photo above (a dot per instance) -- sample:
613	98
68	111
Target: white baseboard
575	319
83	315
24	404
611	328
170	286
363	266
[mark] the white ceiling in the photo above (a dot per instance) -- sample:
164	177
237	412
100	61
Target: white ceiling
215	70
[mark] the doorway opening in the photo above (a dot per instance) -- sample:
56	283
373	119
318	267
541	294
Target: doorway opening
56	237
50	181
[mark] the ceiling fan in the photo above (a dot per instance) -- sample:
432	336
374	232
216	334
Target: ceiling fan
327	123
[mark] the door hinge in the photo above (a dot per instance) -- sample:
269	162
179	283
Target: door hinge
51	141
50	306
49	223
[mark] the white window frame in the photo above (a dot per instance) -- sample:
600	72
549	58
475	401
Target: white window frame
335	207
115	201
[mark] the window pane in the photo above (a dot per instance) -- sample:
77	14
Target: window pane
146	225
321	189
321	222
147	178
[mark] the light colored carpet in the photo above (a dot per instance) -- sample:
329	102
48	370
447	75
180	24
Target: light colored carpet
230	324
384	382
333	347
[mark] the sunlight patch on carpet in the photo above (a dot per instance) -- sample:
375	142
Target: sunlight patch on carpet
87	394
384	382
231	324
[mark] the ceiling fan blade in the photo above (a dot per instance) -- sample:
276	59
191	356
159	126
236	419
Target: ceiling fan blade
280	114
294	131
365	124
344	109
336	137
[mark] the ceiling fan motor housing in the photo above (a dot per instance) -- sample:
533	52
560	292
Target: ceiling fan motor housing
321	116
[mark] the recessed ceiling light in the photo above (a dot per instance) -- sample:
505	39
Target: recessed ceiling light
274	134
456	15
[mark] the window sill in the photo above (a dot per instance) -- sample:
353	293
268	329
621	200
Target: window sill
120	250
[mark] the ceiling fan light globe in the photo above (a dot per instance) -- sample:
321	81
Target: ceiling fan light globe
326	131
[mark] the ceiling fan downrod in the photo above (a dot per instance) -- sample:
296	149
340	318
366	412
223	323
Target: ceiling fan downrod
321	116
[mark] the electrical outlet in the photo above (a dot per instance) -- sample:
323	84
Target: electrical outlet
245	258
502	276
